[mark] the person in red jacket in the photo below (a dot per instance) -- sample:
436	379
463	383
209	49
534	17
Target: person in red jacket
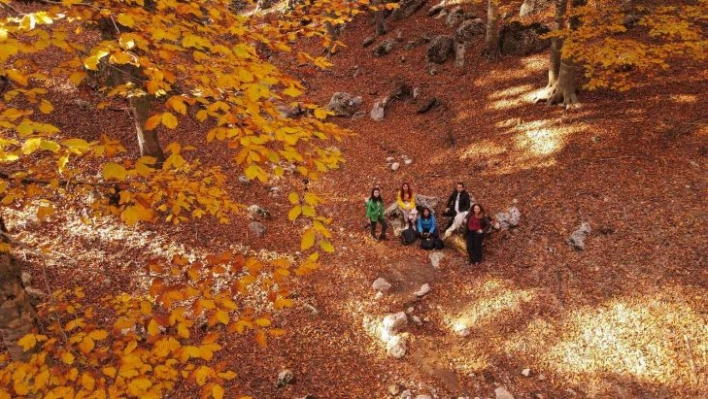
475	226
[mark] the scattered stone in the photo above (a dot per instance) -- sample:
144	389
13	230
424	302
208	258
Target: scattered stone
454	18
416	93
530	7
395	166
285	377
394	389
410	310
384	48
256	212
244	180
541	377
368	41
435	258
423	397
35	293
415	42
436	9
426	319
469	30
463	331
502	393
442	14
274	191
344	104
424	289
438	50
526	372
394	322
358	115
257	228
577	239
390	159
26	279
407	394
407	161
417	320
378	111
379	295
396	346
406	9
381	285
427	106
516	38
508	219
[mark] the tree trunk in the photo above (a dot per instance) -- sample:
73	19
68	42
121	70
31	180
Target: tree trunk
147	139
561	87
491	39
379	17
17	315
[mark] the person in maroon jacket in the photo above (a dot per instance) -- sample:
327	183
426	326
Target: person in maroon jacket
475	226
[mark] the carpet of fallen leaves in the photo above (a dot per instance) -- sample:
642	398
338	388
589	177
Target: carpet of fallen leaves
624	318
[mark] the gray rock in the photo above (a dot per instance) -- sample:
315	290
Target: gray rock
410	310
518	39
35	293
435	258
381	285
26	279
416	93
257	228
424	289
378	111
407	161
502	393
526	372
368	41
393	322
396	346
438	50
454	18
390	159
256	212
417	320
406	9
469	30
244	180
508	219
384	47
395	166
423	397
407	394
442	14
577	239
394	389
358	115
436	9
344	104
285	377
531	7
460	49
274	191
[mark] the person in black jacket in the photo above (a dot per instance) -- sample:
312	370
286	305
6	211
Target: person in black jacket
456	208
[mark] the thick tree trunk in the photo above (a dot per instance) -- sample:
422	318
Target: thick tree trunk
147	139
561	87
491	39
17	315
379	18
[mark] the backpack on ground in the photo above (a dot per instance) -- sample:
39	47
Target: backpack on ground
439	244
408	236
428	243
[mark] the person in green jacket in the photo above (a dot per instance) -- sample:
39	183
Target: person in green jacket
375	213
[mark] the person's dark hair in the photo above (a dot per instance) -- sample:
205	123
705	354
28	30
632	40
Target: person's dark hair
459	183
379	198
410	190
422	213
481	209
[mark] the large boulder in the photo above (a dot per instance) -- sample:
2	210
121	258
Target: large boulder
426	201
469	30
454	18
407	8
344	104
531	7
438	50
508	219
519	39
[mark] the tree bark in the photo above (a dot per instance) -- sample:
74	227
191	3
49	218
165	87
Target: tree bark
379	18
491	39
561	87
17	315
147	139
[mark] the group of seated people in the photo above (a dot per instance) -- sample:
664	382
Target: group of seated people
421	219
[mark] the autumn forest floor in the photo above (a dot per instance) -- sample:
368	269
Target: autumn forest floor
625	318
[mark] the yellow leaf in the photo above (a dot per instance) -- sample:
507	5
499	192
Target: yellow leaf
45	211
202	115
87	382
263	322
86	345
281	302
261	339
67	358
320	113
46	107
121	58
169	120
98	335
227	375
276	332
91	62
292	91
31	145
308	240
327	246
109	371
308	211
178	105
112	170
217	391
153	121
294	213
153	328
223	317
294	198
17	77
125	20
27	342
77	77
202	373
139	386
